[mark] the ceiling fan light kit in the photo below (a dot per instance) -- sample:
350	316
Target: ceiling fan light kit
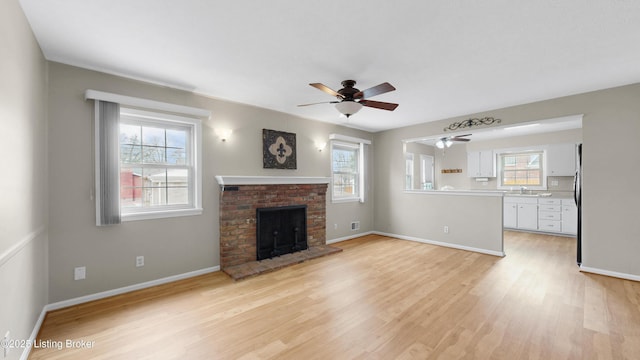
442	143
351	100
348	108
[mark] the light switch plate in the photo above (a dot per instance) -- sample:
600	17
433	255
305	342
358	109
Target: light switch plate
80	273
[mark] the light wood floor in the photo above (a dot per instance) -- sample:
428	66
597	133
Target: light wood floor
381	298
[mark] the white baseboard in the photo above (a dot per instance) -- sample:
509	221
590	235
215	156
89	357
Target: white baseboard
34	334
126	289
609	273
444	244
333	241
106	294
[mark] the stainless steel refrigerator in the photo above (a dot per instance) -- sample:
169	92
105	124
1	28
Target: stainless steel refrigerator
577	194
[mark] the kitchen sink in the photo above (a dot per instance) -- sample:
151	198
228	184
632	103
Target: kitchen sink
522	195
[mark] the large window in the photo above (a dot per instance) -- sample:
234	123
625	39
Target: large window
147	163
156	162
347	168
521	169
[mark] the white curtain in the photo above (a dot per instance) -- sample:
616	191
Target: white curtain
107	163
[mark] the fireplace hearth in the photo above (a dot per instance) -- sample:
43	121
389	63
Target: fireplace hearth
280	230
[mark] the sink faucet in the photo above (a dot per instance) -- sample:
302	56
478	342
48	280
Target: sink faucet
522	189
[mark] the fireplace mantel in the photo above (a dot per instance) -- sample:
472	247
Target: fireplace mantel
270	180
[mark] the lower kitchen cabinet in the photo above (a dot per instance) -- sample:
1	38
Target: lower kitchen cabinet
510	214
559	216
569	217
528	216
549	215
520	213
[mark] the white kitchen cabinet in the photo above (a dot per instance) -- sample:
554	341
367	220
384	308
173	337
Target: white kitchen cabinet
549	215
528	216
520	213
510	213
481	163
561	160
569	217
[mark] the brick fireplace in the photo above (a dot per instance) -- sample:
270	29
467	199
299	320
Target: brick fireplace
241	196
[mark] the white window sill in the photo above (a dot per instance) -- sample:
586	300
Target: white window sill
345	200
160	214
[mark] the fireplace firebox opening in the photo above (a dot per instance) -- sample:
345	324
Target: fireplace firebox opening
280	230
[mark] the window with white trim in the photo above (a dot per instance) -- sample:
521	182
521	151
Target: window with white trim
348	172
345	171
147	163
157	162
408	171
522	169
426	172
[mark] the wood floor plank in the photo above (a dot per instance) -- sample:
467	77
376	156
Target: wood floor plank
381	298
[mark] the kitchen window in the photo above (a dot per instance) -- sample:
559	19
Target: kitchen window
518	169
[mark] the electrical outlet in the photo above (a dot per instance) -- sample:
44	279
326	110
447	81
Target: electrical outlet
335	226
446	229
5	344
80	273
139	261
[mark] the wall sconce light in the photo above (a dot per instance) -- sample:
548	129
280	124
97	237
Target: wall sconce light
320	145
224	134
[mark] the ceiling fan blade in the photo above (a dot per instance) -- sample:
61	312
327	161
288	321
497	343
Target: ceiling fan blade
327	89
461	135
376	90
324	102
459	139
379	105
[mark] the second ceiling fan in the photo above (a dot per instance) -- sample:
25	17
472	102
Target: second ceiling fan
448	140
351	100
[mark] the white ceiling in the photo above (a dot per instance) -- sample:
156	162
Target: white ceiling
446	58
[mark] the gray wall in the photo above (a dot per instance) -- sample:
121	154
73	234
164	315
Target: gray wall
170	246
473	221
611	126
23	220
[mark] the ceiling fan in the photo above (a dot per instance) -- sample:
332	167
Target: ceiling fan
448	140
351	100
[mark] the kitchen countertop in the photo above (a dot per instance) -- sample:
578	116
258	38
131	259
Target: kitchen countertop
535	194
554	195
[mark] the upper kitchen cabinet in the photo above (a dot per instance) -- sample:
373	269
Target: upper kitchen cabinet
481	163
561	160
